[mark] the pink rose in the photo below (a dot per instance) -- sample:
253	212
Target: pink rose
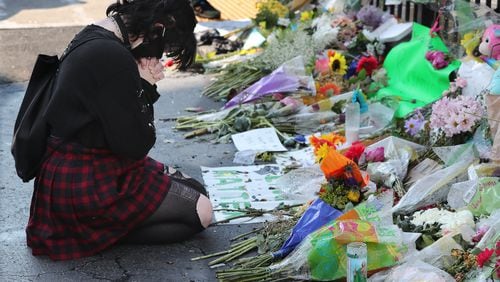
376	155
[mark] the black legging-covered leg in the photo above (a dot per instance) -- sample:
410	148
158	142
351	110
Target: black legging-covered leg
175	220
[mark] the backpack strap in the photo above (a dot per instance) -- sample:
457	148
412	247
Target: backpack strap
71	47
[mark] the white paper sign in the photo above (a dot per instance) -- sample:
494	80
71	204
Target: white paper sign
241	187
261	139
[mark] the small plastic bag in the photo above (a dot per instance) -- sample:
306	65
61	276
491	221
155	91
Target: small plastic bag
301	183
482	143
485	198
437	254
451	154
393	170
246	157
433	188
412	271
379	116
457	191
391	143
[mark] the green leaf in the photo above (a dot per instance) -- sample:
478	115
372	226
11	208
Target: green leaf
362	74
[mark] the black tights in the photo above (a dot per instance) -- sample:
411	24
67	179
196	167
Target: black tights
175	220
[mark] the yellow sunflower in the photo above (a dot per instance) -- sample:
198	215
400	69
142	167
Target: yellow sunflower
338	64
321	153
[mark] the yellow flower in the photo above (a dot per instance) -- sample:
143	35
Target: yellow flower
306	15
321	152
333	138
248	52
353	195
470	41
273	6
338	64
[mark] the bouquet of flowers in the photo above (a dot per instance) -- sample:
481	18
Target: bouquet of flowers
451	120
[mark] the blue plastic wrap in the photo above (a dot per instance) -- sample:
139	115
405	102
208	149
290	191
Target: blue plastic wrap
317	214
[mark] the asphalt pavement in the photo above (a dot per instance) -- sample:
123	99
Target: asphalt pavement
19	46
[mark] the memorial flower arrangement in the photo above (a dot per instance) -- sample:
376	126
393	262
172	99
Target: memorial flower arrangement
344	179
451	120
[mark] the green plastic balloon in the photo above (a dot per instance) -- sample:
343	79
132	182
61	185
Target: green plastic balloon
412	78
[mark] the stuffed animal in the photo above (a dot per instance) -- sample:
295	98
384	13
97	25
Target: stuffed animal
490	43
490	48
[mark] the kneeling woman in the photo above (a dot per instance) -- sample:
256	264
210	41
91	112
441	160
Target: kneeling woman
97	186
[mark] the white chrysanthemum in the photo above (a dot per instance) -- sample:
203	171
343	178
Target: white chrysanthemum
325	34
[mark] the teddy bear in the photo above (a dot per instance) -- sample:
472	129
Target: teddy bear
490	43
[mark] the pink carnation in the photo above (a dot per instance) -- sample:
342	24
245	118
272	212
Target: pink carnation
375	155
322	65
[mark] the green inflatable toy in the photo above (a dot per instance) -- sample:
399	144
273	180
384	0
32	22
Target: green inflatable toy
412	78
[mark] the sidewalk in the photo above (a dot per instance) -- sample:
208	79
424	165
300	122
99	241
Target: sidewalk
63	13
28	28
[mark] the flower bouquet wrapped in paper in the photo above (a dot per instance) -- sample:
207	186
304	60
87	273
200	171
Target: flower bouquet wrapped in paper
289	77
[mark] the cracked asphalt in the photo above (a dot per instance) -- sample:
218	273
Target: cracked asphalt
18	48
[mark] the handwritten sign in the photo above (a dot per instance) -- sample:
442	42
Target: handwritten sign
261	139
241	187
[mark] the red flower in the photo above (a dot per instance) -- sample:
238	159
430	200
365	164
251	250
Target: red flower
369	64
497	249
329	90
355	151
484	256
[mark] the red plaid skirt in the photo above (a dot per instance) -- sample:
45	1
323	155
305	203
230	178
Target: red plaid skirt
87	199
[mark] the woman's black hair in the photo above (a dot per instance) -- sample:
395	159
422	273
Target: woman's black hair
177	16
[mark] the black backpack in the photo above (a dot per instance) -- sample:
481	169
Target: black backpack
31	130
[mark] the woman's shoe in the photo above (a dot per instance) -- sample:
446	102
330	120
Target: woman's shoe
203	9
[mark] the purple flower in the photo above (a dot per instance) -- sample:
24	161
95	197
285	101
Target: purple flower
375	155
413	126
480	233
370	16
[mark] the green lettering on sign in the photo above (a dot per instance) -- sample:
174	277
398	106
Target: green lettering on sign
225	181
